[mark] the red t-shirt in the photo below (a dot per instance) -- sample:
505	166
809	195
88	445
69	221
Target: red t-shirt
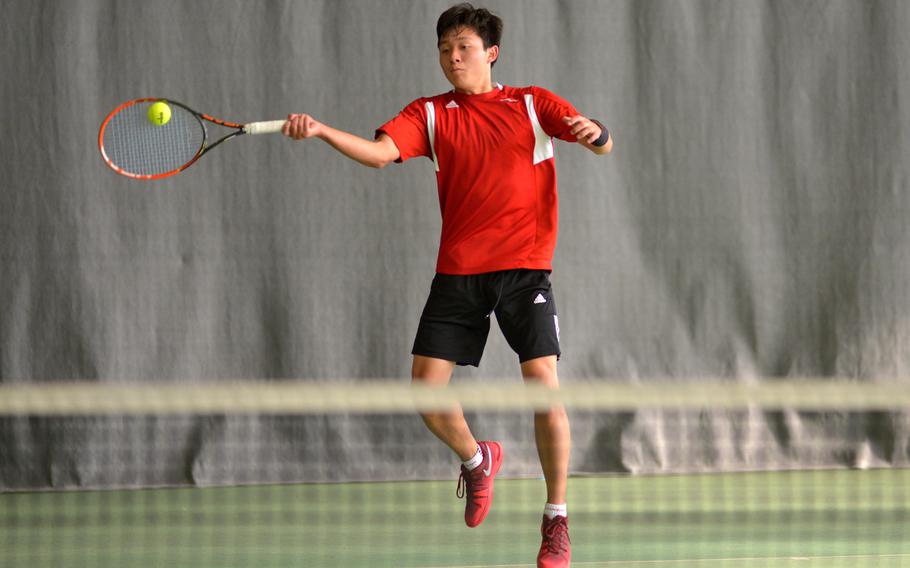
495	173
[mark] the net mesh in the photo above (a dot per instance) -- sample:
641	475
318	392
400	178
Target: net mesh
804	473
136	145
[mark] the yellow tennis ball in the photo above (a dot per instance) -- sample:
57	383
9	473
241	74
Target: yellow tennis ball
159	113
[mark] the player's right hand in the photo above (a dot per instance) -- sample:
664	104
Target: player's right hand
300	126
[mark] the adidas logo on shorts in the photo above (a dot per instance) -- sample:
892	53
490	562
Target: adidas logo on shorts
540	299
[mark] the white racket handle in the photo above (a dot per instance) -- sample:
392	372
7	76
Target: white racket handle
266	127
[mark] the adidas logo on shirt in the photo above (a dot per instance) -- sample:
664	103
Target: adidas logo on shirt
452	104
540	299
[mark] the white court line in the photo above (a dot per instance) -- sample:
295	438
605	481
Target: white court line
595	564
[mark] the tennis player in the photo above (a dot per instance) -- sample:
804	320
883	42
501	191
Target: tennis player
493	151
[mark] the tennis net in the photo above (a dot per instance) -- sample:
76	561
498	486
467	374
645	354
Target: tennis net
806	473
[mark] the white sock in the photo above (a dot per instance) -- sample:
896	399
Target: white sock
475	461
551	510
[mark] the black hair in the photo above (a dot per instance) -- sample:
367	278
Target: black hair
486	24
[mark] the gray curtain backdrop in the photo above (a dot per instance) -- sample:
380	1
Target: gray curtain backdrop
751	222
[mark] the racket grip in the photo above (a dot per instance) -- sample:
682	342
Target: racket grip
266	127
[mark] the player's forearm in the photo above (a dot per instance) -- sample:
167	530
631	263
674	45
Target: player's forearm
368	152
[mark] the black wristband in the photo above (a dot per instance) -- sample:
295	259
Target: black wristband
604	134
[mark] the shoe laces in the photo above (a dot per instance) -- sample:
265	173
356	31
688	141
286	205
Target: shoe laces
556	535
464	483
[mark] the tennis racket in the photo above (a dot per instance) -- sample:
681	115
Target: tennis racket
135	146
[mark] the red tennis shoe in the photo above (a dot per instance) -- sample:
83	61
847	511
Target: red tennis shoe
477	484
555	550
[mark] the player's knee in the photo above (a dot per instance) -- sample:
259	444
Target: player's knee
540	371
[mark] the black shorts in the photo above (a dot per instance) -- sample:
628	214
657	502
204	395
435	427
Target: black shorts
456	319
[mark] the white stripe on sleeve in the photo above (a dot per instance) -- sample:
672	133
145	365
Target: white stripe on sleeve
431	130
543	145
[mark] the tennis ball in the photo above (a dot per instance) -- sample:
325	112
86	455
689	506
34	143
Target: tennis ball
159	113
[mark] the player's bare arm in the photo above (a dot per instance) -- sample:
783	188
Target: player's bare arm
588	132
373	153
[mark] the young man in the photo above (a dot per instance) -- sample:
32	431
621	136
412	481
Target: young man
492	150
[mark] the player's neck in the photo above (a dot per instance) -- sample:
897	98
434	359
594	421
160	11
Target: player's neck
484	86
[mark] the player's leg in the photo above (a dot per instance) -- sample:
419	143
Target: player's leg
453	330
449	426
526	312
480	460
551	430
527	316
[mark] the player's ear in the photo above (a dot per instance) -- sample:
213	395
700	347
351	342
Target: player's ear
493	54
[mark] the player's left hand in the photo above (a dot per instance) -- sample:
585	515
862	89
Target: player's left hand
583	129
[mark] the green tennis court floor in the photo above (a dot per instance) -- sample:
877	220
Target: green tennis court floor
795	519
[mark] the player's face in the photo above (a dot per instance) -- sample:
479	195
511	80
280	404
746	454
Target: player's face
466	64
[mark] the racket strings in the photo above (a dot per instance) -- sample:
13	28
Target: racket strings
135	145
